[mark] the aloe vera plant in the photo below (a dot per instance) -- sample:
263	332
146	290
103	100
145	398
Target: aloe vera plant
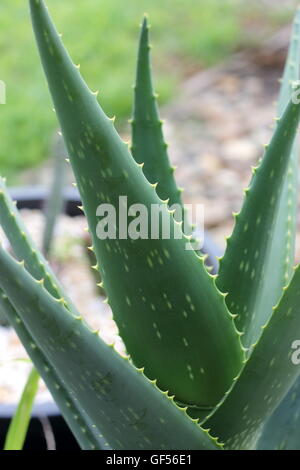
204	352
18	427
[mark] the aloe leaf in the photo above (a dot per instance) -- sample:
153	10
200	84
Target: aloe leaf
18	427
72	412
55	203
156	284
260	251
282	430
112	394
283	245
148	145
24	247
3	319
266	378
282	252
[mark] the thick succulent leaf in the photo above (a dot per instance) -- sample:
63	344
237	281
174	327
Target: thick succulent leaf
24	247
156	284
110	392
291	69
282	430
267	376
284	243
70	409
149	148
55	203
3	319
259	252
148	145
279	269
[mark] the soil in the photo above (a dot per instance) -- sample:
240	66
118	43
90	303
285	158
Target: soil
218	126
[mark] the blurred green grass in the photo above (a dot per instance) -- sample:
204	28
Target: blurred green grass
102	36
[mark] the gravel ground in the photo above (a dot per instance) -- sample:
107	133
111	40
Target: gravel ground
217	129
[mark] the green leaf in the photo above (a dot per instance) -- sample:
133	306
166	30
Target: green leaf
282	430
265	379
279	269
156	284
71	411
112	395
18	427
3	319
260	252
55	203
148	145
24	247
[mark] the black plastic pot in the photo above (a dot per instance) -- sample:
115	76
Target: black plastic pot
34	198
47	430
48	413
